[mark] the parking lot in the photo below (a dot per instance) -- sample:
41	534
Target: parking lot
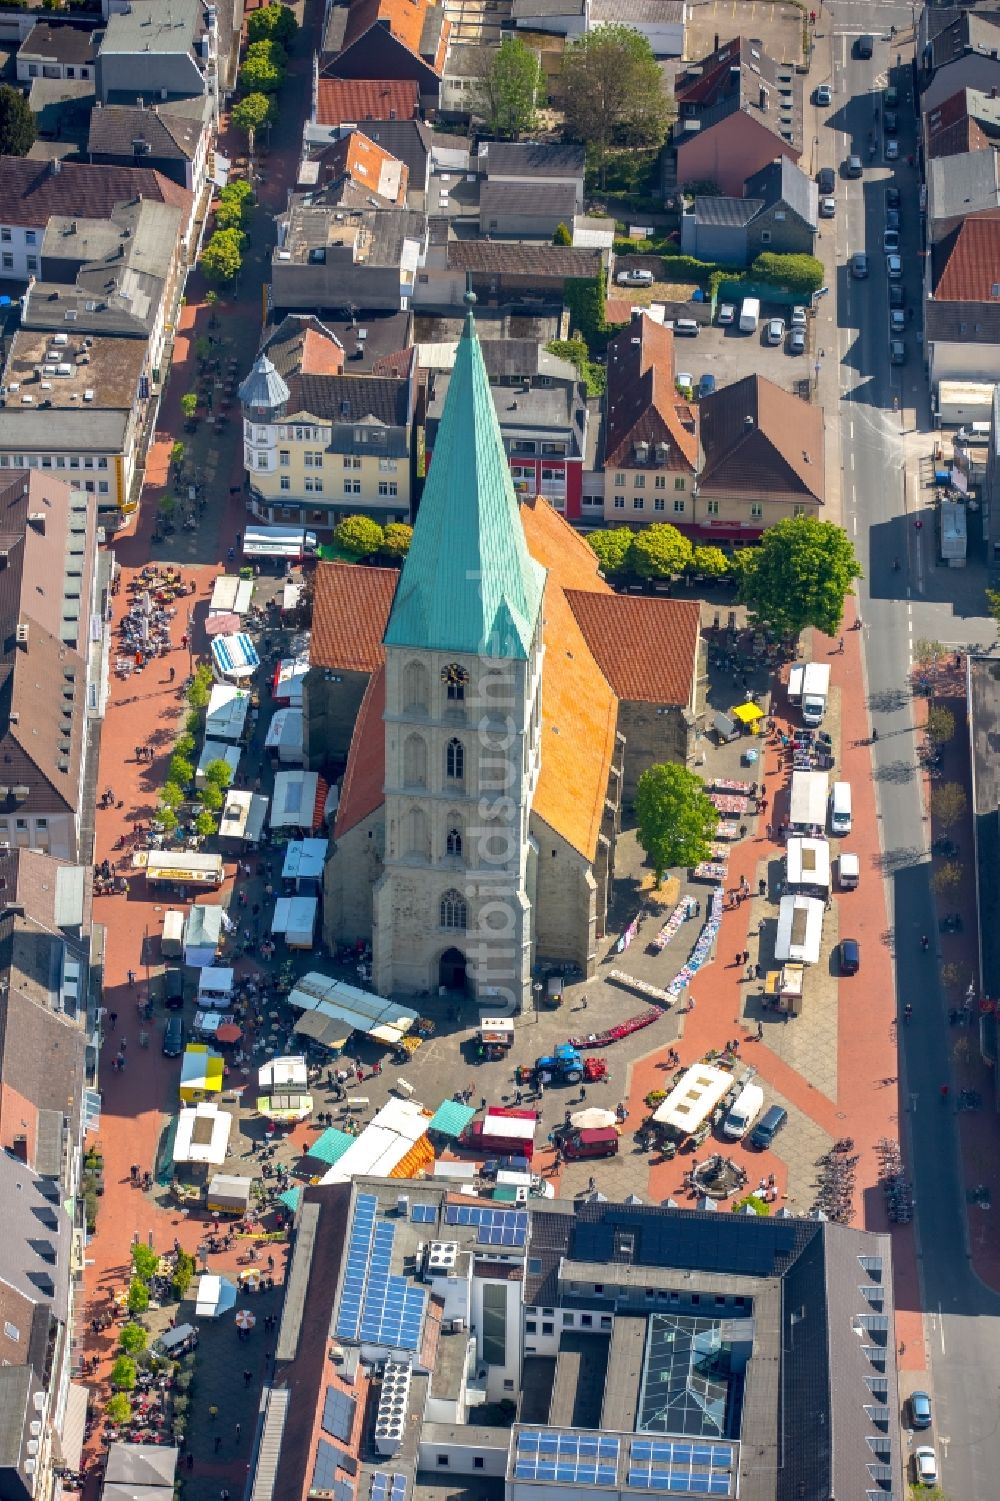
729	354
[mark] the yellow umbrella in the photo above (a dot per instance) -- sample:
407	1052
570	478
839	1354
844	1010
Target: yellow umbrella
747	713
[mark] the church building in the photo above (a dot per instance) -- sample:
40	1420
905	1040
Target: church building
496	702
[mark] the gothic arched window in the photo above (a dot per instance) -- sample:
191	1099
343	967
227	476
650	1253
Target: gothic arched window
414	761
455	680
415	684
454	912
454	760
453	843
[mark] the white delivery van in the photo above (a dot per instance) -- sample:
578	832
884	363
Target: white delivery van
750	315
743	1111
848	871
815	692
840	808
795	678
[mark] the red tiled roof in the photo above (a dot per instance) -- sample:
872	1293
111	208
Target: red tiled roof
404	18
643	403
320	355
360	159
952	130
351	607
645	647
361	790
32	191
972	270
760	440
349	101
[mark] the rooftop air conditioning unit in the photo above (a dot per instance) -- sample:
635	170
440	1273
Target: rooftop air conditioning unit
442	1255
60	340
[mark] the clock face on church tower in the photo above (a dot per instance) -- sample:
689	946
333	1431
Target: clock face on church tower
455	679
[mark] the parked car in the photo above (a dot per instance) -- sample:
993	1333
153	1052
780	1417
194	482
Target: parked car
892	197
865	45
892	150
897	295
893	267
827	208
799	317
706	385
892	218
849	956
774	333
897	352
826	179
853	167
173	1037
634	278
859	265
890	241
768	1126
925	1465
797	341
897	321
173	988
824	95
920	1410
726	314
891	122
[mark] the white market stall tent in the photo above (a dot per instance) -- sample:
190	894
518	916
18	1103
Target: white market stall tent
289	681
215	985
216	750
807	866
202	1134
203	932
294	920
293	803
392	1133
289	1072
234	657
799	938
356	1010
244	816
226	716
231	595
285	736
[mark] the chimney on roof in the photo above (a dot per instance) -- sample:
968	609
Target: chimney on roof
56	165
748	421
762	97
716	47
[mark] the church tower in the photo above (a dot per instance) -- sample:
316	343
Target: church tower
463	651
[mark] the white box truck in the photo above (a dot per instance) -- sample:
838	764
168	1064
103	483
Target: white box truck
954	533
815	692
807	803
749	315
795	677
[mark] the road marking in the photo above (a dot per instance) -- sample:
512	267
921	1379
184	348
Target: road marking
941	1328
855	522
852	431
852	461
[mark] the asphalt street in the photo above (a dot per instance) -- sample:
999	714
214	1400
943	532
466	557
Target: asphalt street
885	427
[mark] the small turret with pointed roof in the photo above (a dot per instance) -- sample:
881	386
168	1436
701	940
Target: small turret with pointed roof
263	390
468	583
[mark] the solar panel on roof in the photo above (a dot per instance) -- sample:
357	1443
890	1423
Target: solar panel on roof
325	1468
423	1214
569	1458
338	1415
343	1490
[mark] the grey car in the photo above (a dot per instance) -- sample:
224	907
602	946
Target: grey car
897	322
859	265
897	352
797	341
853	167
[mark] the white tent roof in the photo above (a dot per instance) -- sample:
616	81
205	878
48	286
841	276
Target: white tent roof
294	799
800	930
218	750
243	816
203	928
280	1073
295	916
202	1134
215	1295
808	862
290	679
231	595
359	1010
304	859
383	1144
285	733
227	711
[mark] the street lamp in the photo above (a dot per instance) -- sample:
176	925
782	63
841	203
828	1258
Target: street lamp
536	991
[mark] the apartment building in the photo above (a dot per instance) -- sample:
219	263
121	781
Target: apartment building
320	444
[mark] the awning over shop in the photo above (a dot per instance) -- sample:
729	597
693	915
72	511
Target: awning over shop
331	1146
74	1423
231	595
138	1465
746	713
451	1118
359	1010
327	1031
235	656
221	625
290	1198
203	934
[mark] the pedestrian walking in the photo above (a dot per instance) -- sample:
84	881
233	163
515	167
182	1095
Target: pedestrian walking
218	1442
213	1412
113	1019
841	646
247	1377
131	978
239	1430
172	674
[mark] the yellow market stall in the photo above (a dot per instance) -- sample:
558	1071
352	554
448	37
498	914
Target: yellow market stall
201	1073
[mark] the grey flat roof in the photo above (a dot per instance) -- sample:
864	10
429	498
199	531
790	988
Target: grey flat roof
32	431
153	26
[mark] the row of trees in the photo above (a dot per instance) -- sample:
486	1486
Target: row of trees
133	1340
799	575
360	537
222	257
181	770
612	87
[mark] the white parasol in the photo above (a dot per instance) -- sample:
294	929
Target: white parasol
593	1119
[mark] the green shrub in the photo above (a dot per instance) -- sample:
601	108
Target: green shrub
144	1260
118	1409
796	273
132	1339
138	1296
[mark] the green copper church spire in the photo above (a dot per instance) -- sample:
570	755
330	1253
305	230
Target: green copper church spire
468	583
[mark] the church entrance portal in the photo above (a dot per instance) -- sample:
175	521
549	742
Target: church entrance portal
451	970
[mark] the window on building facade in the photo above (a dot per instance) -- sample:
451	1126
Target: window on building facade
352	487
284	457
660	482
798	510
453	842
415	761
5	235
678	507
638	482
679	482
387	466
712	507
756	510
8	261
637	503
388	487
285	482
351	462
454	760
619	502
659	504
453	911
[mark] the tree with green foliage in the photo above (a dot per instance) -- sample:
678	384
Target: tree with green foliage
587	305
171	796
358	535
237	191
180	770
231	213
709	563
199	692
118	1409
272	23
222	257
754	1204
508	88
799	575
218	773
273	51
259	75
205	824
18	127
796	273
659	551
211	797
189	406
133	1339
138	1296
562	236
948	804
940	724
166	818
612	549
144	1260
613	92
396	539
184	1270
123	1374
253	111
675	818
